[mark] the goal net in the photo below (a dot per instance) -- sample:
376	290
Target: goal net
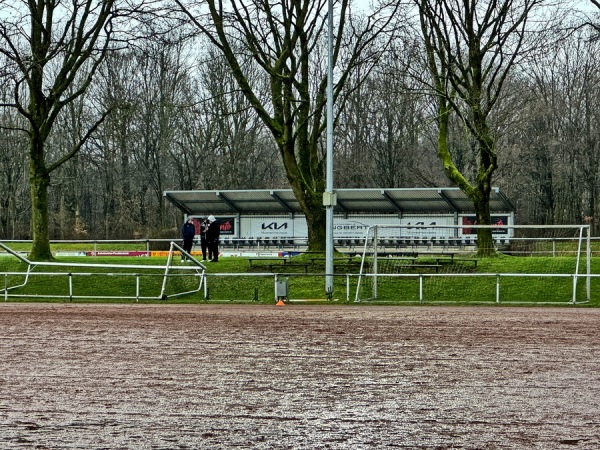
436	263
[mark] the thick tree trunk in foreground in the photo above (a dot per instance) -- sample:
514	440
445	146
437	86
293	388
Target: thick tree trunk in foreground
40	249
39	181
485	242
315	221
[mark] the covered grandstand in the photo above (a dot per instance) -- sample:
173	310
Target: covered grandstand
273	218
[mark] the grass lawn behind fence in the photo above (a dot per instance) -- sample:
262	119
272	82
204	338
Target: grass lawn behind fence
232	279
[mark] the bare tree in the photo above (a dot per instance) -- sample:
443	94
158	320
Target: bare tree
53	49
379	139
13	173
471	47
285	39
242	153
108	153
557	134
594	22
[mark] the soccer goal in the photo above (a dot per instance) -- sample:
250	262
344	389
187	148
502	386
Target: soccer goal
91	280
437	263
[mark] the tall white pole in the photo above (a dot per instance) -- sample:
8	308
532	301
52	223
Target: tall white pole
329	197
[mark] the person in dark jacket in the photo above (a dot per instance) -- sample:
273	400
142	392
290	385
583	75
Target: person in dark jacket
188	231
203	241
212	238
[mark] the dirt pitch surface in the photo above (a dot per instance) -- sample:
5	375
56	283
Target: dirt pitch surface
298	377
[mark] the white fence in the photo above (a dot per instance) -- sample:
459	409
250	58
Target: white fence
345	288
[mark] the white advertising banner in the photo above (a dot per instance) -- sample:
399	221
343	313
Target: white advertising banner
280	227
417	226
355	227
344	227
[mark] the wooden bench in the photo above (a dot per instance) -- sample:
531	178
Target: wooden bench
274	267
440	255
417	266
412	259
253	261
349	259
408	263
385	254
463	260
272	264
452	260
340	263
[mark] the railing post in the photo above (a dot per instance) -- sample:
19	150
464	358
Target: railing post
347	288
497	288
421	288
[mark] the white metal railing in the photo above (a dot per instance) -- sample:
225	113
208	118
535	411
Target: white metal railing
420	277
346	291
6	291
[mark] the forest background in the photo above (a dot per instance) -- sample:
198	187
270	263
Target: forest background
179	122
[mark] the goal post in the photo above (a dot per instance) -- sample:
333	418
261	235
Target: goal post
443	259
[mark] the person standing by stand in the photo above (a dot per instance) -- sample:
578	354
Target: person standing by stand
188	231
203	240
212	237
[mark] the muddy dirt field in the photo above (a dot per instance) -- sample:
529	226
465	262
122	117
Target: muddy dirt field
298	377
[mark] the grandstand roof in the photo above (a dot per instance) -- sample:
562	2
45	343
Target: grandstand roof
368	201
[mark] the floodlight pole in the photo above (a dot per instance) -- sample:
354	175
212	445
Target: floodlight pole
329	199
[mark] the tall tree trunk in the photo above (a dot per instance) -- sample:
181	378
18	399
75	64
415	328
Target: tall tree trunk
485	241
39	180
314	212
487	166
308	192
